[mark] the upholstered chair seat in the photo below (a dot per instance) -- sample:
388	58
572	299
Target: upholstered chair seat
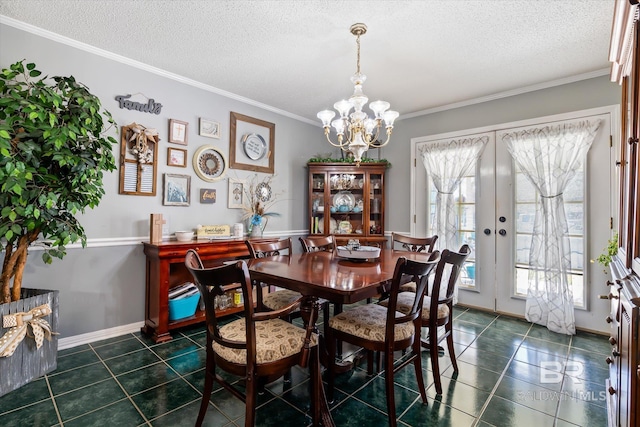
369	322
405	299
275	339
279	299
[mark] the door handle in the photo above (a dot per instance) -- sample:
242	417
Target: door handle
487	231
502	232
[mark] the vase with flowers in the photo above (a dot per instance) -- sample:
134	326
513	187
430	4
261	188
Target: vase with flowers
258	200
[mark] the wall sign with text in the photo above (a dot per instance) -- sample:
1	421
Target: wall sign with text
151	106
207	195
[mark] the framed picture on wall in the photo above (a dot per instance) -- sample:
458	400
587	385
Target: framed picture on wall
236	193
177	190
178	131
251	144
176	157
209	128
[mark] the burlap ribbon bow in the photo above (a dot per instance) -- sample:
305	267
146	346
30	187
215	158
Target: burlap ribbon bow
18	323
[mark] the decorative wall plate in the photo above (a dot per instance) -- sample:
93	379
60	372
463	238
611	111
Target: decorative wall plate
209	163
263	192
254	145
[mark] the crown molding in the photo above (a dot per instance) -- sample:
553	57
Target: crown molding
137	64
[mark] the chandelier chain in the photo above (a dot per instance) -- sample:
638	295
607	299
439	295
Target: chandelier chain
358	61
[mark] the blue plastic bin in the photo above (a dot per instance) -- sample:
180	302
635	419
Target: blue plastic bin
183	307
471	271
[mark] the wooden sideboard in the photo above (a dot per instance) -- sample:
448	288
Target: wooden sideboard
165	269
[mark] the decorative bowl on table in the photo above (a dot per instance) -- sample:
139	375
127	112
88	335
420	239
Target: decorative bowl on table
184	236
358	253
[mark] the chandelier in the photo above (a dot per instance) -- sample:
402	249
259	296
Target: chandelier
357	132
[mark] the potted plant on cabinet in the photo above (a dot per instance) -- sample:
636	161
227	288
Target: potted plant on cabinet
53	153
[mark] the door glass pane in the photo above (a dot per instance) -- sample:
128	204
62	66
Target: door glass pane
526	196
465	218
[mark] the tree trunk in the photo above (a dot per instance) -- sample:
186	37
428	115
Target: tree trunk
5	279
13	267
17	278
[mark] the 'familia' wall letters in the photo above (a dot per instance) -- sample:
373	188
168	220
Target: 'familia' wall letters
150	107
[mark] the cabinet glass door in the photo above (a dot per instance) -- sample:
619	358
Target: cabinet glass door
347	203
317	204
376	202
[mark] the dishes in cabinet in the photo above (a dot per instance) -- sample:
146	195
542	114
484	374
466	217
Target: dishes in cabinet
344	227
344	198
342	182
333	225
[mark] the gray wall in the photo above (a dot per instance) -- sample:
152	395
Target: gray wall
102	286
595	92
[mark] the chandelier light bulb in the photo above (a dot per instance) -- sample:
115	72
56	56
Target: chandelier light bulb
378	107
343	106
326	116
357	132
390	117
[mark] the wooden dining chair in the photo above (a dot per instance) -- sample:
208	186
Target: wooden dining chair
260	347
437	309
317	243
274	299
412	244
382	329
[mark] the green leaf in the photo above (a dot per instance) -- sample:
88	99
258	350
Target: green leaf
53	167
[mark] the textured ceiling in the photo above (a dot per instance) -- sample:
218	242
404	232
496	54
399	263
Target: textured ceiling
298	56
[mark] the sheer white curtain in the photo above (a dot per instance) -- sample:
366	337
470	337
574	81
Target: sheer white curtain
446	162
549	157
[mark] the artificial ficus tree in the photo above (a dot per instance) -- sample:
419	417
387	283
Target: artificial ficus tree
53	153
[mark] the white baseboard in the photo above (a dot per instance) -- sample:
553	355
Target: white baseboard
76	340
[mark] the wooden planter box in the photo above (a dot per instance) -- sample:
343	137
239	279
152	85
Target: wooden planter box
29	362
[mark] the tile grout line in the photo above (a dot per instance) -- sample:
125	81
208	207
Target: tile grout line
53	400
502	374
127	395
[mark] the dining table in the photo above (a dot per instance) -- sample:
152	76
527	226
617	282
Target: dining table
326	275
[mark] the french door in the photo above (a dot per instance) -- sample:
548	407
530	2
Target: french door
495	207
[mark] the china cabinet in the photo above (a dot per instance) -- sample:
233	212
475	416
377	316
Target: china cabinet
165	270
347	201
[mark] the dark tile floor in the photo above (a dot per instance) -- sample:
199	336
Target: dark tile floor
130	381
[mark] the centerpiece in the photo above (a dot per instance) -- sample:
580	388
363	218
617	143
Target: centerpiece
259	198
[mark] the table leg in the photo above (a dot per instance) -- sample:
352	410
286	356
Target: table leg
319	406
